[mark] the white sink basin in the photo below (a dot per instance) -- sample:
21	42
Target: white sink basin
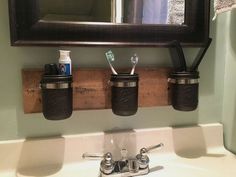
182	170
188	152
179	169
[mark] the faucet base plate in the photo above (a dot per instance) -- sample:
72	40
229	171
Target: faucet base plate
127	174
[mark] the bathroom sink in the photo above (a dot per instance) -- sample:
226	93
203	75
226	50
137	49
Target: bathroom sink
91	169
188	152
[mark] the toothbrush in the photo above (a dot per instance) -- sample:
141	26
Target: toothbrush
110	58
134	61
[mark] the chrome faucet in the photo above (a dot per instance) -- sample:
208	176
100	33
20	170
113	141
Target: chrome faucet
126	167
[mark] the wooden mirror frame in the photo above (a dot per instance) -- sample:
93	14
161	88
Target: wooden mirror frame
28	30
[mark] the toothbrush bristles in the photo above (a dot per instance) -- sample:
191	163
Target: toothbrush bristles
110	56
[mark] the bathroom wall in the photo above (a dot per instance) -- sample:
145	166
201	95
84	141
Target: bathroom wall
15	124
229	103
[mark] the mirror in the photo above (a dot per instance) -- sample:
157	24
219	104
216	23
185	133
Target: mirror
114	11
146	23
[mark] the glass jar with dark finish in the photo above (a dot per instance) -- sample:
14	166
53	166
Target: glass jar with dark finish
124	94
184	88
57	96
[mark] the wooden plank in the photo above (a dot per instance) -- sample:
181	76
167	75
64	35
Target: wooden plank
92	91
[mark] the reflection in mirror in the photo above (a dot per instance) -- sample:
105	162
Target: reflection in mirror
75	10
153	11
114	11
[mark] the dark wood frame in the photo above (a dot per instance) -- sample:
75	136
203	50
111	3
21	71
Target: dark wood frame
28	30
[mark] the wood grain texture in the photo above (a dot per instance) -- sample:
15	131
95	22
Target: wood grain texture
91	88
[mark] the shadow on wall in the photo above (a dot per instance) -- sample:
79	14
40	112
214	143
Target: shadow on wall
232	31
117	140
36	155
193	150
196	148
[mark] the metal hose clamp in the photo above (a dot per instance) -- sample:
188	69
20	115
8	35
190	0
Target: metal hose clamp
183	81
56	85
123	84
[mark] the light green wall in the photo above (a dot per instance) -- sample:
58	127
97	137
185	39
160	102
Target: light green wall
229	101
15	124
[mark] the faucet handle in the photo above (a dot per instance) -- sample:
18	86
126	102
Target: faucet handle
142	157
150	148
93	156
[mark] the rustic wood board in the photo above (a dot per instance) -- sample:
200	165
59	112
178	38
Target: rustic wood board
92	91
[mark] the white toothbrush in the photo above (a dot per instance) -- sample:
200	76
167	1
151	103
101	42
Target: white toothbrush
110	58
134	61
